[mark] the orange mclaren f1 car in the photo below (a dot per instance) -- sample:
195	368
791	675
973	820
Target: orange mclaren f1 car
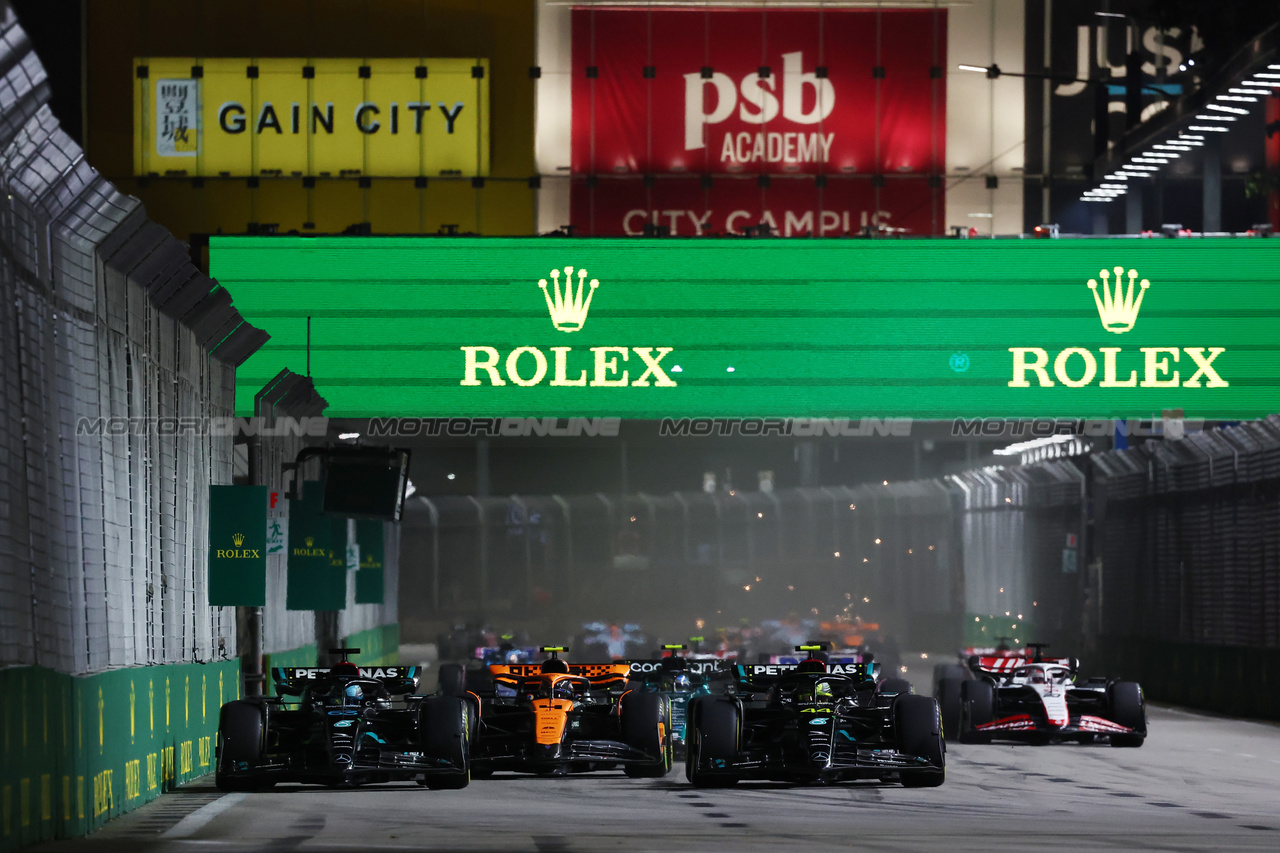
556	717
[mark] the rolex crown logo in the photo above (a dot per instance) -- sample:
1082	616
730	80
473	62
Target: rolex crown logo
1117	307
311	540
568	308
238	539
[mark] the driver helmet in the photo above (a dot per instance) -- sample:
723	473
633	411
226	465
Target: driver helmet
820	695
353	694
682	683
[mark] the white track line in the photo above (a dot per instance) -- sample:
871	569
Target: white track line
198	819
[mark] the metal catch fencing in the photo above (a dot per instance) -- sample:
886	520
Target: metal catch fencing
110	341
757	554
1189	538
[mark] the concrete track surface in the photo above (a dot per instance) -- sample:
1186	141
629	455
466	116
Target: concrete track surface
1199	783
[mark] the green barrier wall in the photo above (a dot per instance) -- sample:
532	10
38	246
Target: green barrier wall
1235	680
80	751
378	646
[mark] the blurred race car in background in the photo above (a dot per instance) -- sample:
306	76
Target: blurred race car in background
558	717
1033	698
347	725
810	722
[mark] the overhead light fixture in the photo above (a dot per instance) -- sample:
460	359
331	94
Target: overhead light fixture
1203	117
1113	187
1159	160
1244	98
1202	127
1233	110
1248	91
1262	75
980	68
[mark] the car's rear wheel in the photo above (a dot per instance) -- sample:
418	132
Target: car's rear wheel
443	733
977	707
451	680
241	733
479	682
712	749
894	685
1129	710
646	726
949	704
918	725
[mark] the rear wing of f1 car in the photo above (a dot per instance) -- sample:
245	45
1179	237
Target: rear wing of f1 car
1001	665
853	657
600	674
293	680
639	669
760	675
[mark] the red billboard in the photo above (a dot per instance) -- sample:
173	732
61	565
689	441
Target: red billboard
856	96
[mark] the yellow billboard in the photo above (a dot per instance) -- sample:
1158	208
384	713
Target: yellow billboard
310	117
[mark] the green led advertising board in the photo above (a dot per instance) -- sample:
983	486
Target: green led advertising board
552	327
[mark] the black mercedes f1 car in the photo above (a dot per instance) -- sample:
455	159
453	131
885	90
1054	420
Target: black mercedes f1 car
814	722
343	726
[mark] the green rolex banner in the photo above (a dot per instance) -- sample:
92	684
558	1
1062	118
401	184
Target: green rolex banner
310	580
237	546
369	582
335	577
369	586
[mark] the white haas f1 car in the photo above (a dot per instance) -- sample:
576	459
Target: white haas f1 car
1034	698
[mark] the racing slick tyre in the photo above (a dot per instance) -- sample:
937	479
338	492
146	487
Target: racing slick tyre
1129	710
977	706
918	725
241	727
949	704
451	680
894	685
443	733
711	738
646	726
479	682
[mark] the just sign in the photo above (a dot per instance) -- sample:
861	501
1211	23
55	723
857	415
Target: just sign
707	329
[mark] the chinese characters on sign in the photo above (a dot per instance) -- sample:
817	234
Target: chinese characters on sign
177	118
